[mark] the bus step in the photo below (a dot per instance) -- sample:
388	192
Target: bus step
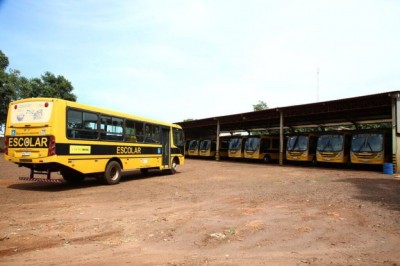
43	180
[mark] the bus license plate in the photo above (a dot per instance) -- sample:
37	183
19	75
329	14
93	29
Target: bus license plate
26	153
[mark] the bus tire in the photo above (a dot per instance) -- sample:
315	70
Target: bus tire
174	166
267	159
112	175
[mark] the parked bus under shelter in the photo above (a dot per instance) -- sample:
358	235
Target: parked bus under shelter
356	111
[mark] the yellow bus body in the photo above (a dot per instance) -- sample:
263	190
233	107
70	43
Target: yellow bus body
301	148
208	148
194	148
370	147
334	147
236	147
41	134
264	148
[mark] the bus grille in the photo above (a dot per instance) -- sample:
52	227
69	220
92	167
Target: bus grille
365	155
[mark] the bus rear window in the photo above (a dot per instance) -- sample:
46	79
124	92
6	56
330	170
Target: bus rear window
31	112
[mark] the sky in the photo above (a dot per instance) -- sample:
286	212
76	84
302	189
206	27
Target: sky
173	60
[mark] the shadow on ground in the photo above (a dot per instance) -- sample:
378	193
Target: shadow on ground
381	191
46	186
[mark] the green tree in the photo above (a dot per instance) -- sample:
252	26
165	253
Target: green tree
49	85
13	86
261	105
7	92
3	61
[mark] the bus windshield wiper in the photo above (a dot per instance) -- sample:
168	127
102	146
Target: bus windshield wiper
369	145
327	145
362	145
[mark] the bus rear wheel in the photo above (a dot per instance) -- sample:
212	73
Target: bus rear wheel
112	175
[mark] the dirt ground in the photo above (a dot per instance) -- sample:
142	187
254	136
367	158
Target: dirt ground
216	213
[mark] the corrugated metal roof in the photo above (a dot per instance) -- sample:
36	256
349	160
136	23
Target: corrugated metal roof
369	108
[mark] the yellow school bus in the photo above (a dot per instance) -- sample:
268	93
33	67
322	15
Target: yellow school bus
264	148
194	148
370	147
301	147
208	148
48	135
334	147
236	147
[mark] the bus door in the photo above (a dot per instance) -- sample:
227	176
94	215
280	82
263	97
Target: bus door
166	146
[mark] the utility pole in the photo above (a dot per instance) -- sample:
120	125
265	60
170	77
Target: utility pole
317	83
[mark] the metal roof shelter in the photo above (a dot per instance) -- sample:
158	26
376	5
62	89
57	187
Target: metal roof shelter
357	110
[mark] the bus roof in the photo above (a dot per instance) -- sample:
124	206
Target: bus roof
96	109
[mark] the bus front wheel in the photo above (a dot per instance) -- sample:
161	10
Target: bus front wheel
112	175
174	166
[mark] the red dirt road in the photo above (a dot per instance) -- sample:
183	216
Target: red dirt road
217	213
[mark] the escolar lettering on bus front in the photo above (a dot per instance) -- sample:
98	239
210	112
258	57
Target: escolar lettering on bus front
129	150
29	142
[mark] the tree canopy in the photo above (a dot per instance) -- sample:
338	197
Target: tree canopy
13	86
261	105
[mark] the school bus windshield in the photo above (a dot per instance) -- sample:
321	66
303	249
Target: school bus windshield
205	145
297	143
333	143
367	143
252	144
235	143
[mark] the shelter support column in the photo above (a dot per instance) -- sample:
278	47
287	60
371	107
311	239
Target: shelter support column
395	126
281	139
217	144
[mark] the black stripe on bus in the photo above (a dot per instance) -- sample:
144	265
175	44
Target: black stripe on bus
84	149
107	158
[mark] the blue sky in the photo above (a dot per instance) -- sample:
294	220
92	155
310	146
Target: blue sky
172	60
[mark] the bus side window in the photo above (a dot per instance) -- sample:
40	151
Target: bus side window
81	125
139	131
74	121
130	132
265	145
111	128
90	126
275	144
117	128
104	122
156	134
152	133
179	139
